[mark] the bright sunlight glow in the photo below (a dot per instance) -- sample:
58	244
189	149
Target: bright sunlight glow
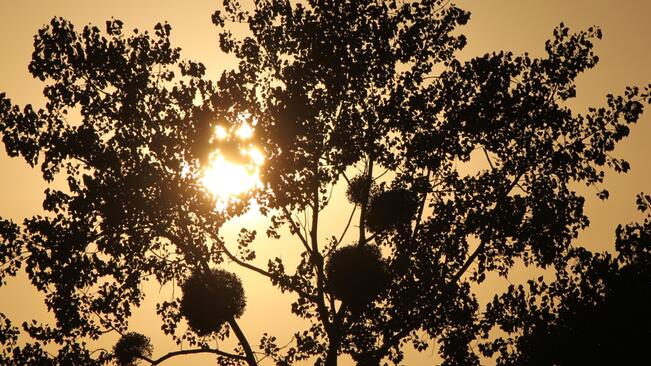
245	131
221	133
224	178
227	179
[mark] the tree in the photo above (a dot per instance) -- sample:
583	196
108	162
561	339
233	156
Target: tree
595	312
363	93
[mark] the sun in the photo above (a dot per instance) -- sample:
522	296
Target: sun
226	179
231	173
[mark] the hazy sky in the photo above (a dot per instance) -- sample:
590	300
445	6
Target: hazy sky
517	25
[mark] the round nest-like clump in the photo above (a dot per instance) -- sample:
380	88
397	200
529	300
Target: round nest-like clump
130	347
357	274
392	209
210	301
360	189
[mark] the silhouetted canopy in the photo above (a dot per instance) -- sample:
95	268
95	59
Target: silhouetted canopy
335	90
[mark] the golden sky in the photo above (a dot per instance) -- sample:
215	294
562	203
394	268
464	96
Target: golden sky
516	25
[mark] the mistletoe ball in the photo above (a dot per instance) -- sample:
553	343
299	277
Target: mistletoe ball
210	300
356	274
131	347
360	189
391	209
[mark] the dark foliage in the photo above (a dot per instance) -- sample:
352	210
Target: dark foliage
211	300
356	274
392	209
596	311
131	347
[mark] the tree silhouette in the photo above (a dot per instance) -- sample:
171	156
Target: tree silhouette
595	312
363	93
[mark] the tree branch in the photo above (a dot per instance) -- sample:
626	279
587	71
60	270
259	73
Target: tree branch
317	258
261	271
341	237
421	209
481	245
296	229
362	215
169	355
250	356
410	327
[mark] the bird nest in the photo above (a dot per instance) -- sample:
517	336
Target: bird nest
211	300
357	274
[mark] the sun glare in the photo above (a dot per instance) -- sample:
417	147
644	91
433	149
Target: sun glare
221	133
224	178
245	131
227	179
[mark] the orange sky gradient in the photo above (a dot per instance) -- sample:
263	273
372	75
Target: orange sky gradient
515	25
